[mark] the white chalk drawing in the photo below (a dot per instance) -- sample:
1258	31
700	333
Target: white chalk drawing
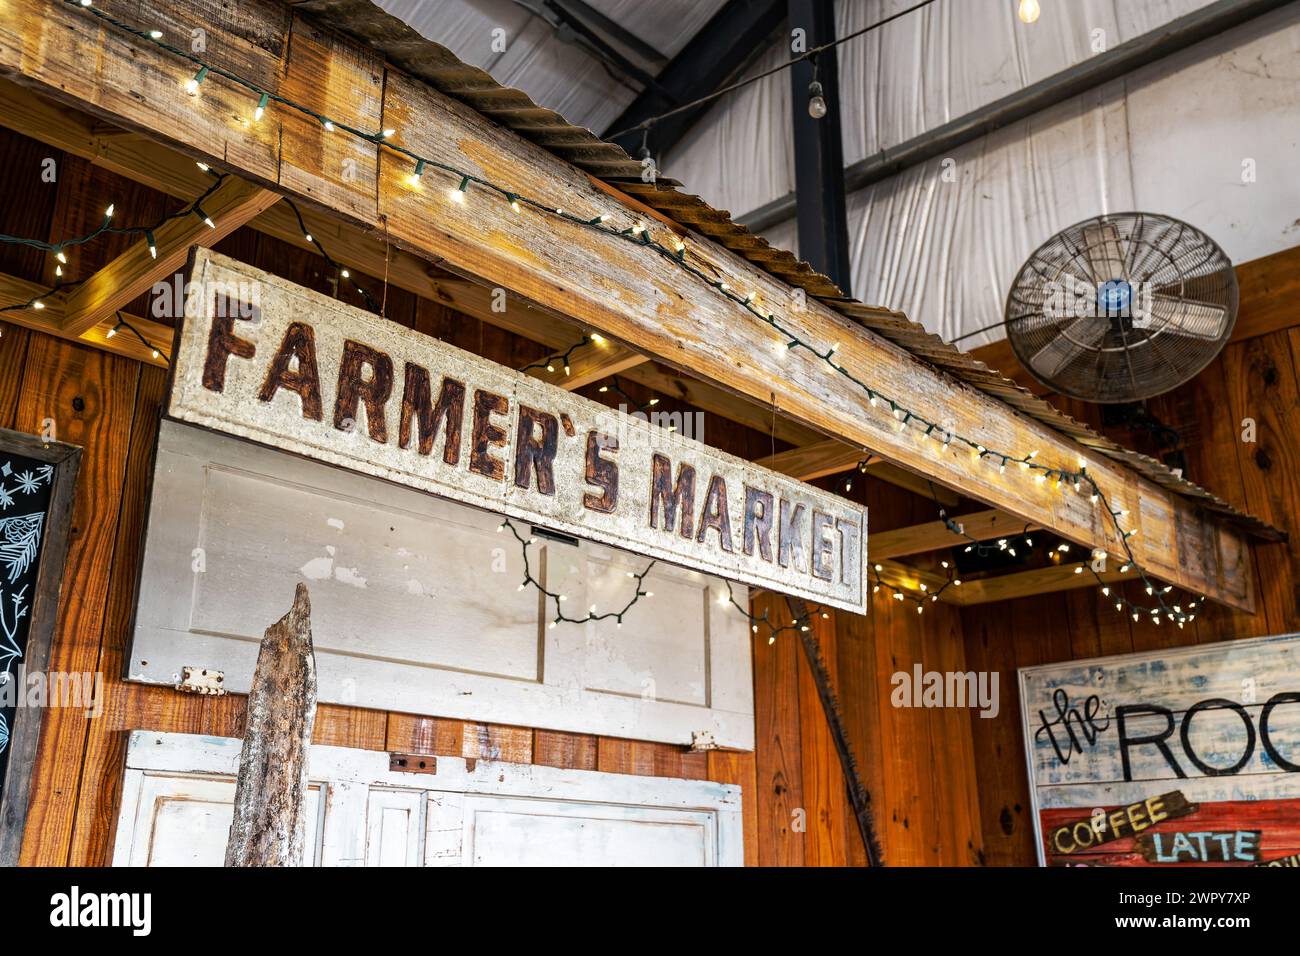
11	615
20	544
26	482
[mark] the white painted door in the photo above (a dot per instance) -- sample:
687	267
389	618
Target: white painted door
178	791
416	605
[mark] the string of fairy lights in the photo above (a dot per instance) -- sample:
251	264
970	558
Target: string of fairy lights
195	208
559	599
563	358
106	227
942	441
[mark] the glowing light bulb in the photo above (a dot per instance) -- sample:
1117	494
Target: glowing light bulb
261	107
192	84
1029	10
816	101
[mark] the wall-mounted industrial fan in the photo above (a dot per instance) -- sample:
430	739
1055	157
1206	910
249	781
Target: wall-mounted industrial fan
1121	307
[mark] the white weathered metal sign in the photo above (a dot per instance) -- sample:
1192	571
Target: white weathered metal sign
1179	756
264	359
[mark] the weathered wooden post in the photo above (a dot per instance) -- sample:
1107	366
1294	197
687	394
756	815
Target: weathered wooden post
268	828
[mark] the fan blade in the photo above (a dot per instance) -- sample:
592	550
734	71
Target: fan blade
1071	342
1104	252
1173	315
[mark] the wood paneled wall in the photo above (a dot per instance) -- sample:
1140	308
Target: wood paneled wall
796	806
1254	378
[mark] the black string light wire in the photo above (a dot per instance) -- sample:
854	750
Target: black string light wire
774	628
562	358
124	323
674	253
559	599
106	228
339	269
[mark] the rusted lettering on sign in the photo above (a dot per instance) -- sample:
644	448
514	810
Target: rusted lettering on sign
304	373
294	367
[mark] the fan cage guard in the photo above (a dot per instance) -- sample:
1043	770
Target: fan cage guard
1121	307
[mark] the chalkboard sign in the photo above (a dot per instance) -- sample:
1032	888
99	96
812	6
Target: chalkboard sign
37	482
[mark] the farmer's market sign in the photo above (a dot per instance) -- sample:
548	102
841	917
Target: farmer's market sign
266	360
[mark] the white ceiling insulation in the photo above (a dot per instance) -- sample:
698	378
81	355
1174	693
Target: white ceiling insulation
1173	138
910	76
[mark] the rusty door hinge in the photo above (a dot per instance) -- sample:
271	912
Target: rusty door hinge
200	680
702	740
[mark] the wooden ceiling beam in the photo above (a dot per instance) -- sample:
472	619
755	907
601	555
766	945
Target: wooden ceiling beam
832	457
934	535
136	270
1064	577
363	250
603	281
912	580
49	319
818	460
1004	587
587	363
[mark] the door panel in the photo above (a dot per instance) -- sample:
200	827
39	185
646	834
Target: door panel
178	790
416	604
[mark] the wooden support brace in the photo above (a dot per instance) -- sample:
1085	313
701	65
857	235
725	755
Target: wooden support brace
934	535
15	291
136	270
589	363
859	798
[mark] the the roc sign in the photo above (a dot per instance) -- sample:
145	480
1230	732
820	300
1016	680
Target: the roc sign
266	360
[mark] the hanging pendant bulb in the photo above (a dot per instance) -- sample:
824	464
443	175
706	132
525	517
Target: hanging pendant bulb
1029	10
816	101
